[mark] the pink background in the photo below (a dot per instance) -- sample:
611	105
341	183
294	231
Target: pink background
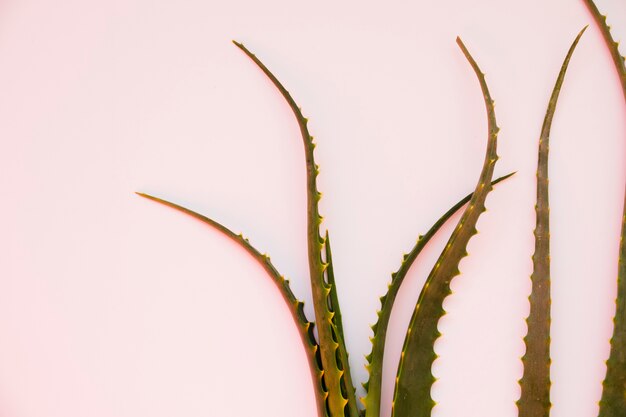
113	306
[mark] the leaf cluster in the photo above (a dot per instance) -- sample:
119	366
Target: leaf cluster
326	348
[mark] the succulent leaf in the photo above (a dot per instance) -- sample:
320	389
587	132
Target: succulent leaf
415	379
375	359
613	401
612	45
337	321
338	405
330	278
535	383
305	327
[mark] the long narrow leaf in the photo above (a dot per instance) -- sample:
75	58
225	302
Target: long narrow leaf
375	359
305	327
613	401
535	383
618	60
334	374
414	381
350	392
330	278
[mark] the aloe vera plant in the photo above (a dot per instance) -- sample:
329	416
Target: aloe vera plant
326	351
327	354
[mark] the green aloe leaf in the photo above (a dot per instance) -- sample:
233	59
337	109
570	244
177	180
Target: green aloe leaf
375	359
349	392
330	278
305	327
613	401
613	46
332	350
535	383
415	379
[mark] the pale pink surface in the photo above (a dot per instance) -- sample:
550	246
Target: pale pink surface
111	305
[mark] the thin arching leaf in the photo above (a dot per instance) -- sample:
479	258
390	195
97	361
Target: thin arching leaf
334	372
305	327
613	401
415	379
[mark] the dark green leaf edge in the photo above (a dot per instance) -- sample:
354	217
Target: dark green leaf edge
350	392
618	60
296	307
415	379
339	402
375	359
613	400
535	383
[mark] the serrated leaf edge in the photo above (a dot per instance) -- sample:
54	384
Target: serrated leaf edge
373	386
535	382
296	307
414	380
334	375
613	400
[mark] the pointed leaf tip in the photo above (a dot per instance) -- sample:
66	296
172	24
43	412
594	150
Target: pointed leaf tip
148	196
509	175
412	396
296	307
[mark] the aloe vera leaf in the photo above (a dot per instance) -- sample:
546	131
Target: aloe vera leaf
415	379
334	374
305	327
535	383
613	400
337	320
613	46
375	359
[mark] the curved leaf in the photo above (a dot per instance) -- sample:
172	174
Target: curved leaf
414	381
613	401
334	371
305	327
375	359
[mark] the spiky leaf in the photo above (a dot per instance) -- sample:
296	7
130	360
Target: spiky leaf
334	372
613	401
375	367
535	383
414	381
350	392
305	327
